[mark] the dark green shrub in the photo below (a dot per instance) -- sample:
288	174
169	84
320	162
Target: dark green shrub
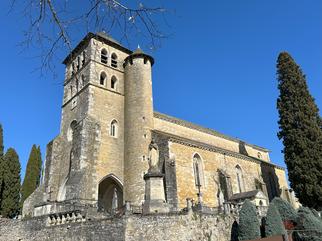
286	211
249	227
274	224
11	184
310	225
33	173
301	132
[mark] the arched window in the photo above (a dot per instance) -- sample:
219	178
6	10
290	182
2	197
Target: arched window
84	58
78	63
71	129
71	90
198	170
77	84
114	60
259	155
73	68
114	129
104	56
240	181
102	78
83	80
114	83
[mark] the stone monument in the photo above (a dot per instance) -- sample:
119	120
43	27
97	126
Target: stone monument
154	187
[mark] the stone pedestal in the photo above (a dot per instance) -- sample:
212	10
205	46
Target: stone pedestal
154	194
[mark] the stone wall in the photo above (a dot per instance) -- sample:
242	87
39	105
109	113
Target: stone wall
176	162
179	228
107	106
211	163
178	127
36	230
170	227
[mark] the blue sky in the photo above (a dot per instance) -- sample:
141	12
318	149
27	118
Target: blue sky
217	69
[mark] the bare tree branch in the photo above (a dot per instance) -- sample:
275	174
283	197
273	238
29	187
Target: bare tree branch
53	22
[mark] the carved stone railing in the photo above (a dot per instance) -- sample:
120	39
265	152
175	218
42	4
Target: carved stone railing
64	218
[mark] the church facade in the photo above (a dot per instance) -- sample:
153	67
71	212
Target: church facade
113	148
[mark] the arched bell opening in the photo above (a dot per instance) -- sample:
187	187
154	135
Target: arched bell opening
110	194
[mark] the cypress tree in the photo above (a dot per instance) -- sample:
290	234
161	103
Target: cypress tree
33	172
249	227
1	141
1	164
301	133
273	224
286	211
11	179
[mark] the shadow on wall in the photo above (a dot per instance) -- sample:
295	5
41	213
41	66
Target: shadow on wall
271	181
242	148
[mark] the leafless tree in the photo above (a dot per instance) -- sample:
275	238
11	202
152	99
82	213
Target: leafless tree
51	23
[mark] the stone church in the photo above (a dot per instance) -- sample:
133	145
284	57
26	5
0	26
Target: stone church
114	150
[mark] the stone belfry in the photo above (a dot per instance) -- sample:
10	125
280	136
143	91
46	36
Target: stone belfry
107	117
93	111
138	115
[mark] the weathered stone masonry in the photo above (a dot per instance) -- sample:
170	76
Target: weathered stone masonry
171	227
115	153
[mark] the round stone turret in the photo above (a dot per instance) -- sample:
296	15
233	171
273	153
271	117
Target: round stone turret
138	53
138	123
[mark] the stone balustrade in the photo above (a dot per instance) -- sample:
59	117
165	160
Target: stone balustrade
63	218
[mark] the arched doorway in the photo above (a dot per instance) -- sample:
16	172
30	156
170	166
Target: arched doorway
110	193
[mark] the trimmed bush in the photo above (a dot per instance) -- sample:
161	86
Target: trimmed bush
274	224
315	213
249	227
311	225
286	211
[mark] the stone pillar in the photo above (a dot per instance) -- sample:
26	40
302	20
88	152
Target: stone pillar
154	194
